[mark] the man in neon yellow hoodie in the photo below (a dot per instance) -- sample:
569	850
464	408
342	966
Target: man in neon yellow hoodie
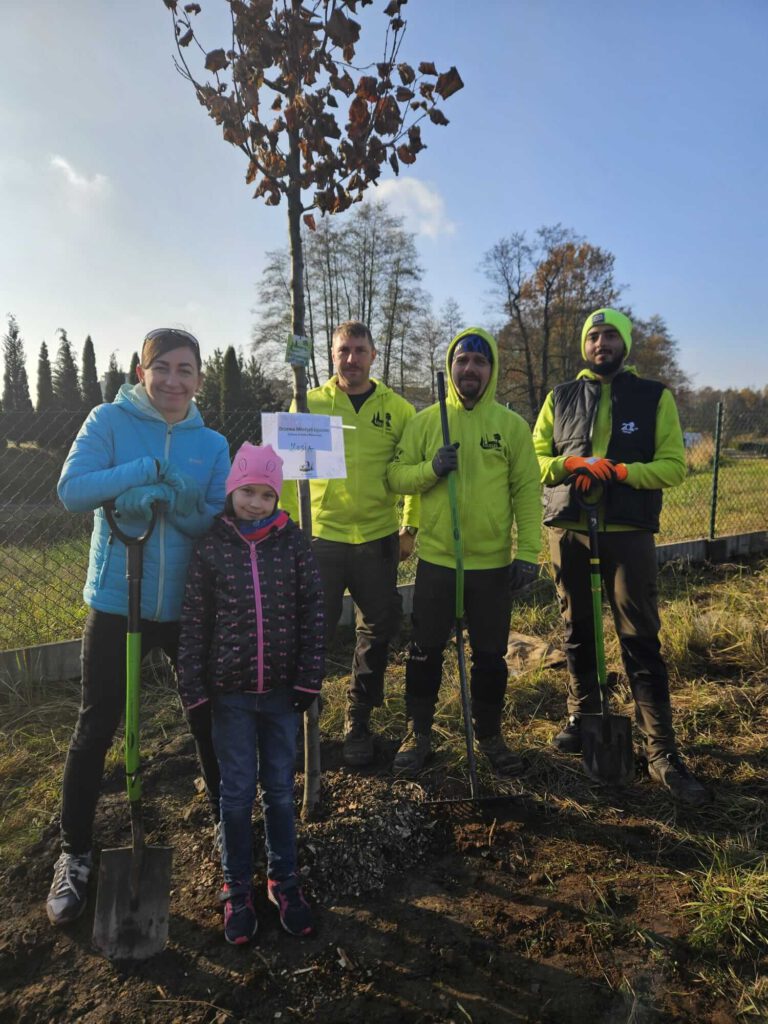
498	486
357	537
611	427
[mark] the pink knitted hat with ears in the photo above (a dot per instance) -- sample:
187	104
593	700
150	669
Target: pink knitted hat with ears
255	464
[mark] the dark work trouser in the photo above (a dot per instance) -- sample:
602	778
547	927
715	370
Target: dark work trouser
487	608
369	572
628	568
102	707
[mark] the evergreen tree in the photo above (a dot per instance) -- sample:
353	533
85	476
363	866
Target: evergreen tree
15	383
66	387
45	399
113	379
208	396
132	378
89	379
230	399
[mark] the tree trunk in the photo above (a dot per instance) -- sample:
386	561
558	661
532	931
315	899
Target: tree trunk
311	718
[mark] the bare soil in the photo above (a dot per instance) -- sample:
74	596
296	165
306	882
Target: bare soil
557	915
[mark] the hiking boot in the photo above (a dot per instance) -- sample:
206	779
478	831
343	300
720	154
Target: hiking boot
568	740
295	913
69	889
670	772
499	756
357	748
413	754
240	922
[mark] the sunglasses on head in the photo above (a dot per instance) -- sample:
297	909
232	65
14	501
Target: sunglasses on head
173	335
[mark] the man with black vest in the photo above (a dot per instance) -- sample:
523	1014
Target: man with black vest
611	427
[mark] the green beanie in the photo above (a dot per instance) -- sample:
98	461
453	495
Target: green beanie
608	316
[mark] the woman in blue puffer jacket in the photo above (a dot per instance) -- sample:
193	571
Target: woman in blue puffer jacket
149	446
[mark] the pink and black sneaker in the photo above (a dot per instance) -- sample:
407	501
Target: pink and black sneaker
295	913
240	922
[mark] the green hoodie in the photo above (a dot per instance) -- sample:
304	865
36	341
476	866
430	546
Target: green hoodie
666	470
361	507
497	479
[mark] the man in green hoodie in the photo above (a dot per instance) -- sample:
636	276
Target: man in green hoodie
612	428
357	536
498	487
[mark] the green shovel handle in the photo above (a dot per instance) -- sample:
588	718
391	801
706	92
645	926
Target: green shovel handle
134	568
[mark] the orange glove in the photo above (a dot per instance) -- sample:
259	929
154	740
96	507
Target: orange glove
619	472
597	469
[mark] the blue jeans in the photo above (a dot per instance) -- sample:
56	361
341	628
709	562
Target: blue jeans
254	735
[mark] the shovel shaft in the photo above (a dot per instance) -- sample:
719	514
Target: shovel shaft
596	587
132	701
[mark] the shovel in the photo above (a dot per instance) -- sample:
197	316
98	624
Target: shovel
475	805
133	896
606	739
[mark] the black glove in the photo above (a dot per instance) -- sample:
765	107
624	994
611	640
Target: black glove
302	700
446	459
522	574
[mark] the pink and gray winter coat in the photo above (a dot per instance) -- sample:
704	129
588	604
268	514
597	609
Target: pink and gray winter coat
252	617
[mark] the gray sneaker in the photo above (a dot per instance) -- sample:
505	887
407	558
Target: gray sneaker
499	756
69	889
670	772
413	754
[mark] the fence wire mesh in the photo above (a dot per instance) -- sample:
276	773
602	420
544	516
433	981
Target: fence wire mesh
44	548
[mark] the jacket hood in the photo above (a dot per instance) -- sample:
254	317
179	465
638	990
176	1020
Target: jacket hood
489	395
133	398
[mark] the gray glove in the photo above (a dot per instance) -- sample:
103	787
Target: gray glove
446	459
522	574
137	502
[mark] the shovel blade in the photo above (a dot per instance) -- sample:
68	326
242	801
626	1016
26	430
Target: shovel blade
606	748
128	926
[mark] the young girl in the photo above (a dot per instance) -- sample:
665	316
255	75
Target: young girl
251	643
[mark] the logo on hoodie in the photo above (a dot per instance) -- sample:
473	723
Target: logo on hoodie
386	423
630	427
494	442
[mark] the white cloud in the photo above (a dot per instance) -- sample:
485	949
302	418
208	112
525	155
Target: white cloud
420	205
83	184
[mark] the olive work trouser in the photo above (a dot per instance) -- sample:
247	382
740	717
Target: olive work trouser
628	570
369	572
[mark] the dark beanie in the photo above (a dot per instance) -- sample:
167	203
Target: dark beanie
472	343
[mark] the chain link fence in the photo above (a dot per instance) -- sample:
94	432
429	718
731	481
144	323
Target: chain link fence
44	549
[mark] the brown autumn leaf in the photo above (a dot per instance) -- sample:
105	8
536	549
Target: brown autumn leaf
396	24
427	68
414	139
192	8
406	72
251	173
342	31
343	84
437	116
406	156
171	5
309	220
448	83
393	8
387	116
402	95
427	90
367	88
216	61
277	103
187	38
331	100
393	162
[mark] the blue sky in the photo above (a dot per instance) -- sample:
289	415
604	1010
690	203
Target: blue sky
641	125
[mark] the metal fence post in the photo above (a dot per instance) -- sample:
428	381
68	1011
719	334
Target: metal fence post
715	469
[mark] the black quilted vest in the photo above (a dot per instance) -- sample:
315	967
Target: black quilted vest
634	402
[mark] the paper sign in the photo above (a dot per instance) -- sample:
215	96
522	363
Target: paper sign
312	447
298	349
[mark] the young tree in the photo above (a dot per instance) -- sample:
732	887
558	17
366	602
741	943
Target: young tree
45	397
230	399
66	387
208	397
15	382
132	378
89	378
114	379
274	92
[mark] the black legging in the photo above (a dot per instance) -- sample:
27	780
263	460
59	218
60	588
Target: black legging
103	704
